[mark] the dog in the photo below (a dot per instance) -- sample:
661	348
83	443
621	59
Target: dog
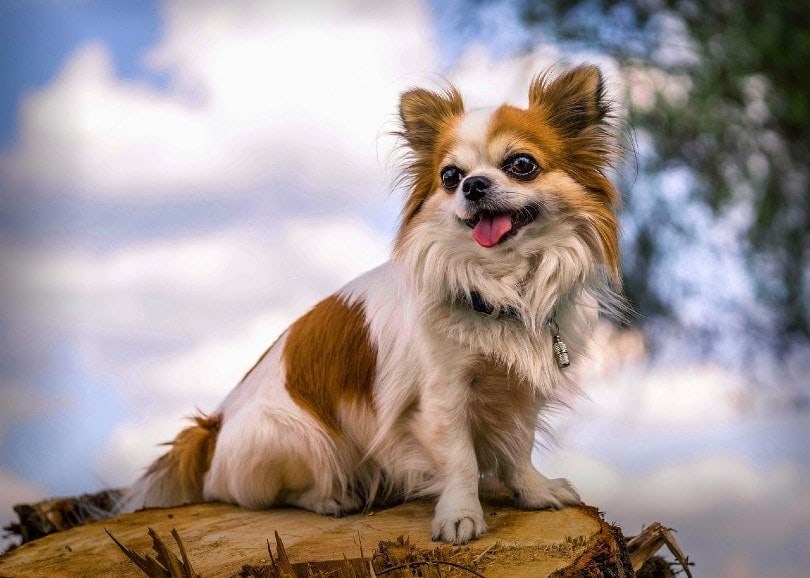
436	368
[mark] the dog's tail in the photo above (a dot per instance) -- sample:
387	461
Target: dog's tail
176	477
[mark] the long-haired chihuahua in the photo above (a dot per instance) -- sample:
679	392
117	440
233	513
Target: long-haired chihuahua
434	369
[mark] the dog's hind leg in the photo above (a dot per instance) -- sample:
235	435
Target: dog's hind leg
266	456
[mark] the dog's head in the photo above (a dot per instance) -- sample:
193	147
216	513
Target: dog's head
498	187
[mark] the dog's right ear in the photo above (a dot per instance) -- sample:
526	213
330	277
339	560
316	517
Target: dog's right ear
573	101
424	113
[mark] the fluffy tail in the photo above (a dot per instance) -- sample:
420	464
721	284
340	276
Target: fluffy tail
177	476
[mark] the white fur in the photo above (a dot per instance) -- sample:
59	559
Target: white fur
451	387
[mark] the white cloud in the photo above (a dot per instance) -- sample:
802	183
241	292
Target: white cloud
190	286
205	373
678	488
672	398
711	482
90	132
262	94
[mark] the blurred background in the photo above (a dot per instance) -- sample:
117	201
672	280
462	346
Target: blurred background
180	180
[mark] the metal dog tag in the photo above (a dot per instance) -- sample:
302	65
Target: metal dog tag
560	348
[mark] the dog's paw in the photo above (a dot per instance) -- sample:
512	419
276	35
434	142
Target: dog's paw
328	506
545	494
458	526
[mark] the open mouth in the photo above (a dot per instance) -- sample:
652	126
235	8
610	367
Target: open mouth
490	229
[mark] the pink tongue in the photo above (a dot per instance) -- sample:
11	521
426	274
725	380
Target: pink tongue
490	229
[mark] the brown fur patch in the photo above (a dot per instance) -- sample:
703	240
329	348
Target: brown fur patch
188	460
329	359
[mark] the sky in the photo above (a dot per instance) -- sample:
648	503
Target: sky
180	180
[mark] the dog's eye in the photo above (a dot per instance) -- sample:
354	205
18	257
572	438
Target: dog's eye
520	166
451	177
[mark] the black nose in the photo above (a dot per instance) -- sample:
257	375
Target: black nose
475	187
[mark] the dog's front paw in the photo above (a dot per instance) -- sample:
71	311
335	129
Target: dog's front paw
458	525
545	494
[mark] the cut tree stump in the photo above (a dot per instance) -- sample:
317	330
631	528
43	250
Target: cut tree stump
224	540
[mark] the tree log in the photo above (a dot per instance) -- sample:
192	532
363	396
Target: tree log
224	540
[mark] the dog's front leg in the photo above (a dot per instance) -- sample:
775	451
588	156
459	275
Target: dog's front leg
447	436
531	490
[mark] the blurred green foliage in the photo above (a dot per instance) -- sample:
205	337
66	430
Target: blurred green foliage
731	103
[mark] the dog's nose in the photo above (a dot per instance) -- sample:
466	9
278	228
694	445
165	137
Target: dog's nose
475	187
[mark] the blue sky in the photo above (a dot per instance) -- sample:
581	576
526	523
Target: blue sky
40	34
175	189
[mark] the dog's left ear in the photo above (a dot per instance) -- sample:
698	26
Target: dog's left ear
572	101
424	113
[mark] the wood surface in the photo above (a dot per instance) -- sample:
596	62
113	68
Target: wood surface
221	539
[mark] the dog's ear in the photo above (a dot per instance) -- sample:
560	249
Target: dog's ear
424	113
572	101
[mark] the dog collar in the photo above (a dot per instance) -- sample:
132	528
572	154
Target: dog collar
560	349
479	305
